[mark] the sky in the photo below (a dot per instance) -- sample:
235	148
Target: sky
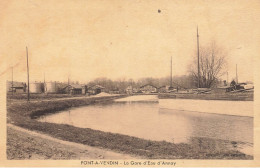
87	39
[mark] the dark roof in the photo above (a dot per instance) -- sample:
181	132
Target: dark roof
96	87
161	87
74	86
149	85
18	85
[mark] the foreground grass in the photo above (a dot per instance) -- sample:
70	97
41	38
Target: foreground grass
23	146
22	114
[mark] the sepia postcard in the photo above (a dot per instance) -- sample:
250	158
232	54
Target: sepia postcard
129	83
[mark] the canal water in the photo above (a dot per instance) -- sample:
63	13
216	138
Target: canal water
145	119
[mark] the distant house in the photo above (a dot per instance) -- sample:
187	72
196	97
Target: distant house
84	89
135	90
163	89
129	90
114	91
96	89
20	88
60	87
148	88
74	89
16	87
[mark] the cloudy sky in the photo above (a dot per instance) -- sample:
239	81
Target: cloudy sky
86	39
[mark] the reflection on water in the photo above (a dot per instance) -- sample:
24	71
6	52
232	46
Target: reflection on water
239	108
139	98
146	120
233	128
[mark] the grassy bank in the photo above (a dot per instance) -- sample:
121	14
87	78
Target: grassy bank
22	114
39	96
24	146
242	96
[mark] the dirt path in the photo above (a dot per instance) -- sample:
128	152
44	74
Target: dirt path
25	144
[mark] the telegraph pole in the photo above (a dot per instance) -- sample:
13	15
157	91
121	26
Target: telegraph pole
68	84
198	57
171	73
236	74
227	77
12	80
44	85
28	96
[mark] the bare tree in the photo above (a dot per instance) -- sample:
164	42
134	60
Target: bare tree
212	65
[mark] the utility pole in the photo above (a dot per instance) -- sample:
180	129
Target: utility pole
12	81
198	57
236	74
68	84
28	96
44	85
171	73
227	77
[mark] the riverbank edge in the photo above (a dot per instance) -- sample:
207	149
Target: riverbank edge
212	96
23	114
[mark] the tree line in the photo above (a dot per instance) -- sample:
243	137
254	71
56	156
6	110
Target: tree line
182	82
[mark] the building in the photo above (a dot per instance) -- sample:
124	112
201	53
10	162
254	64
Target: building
129	90
60	87
164	89
16	87
148	88
84	89
114	91
74	89
135	90
96	89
